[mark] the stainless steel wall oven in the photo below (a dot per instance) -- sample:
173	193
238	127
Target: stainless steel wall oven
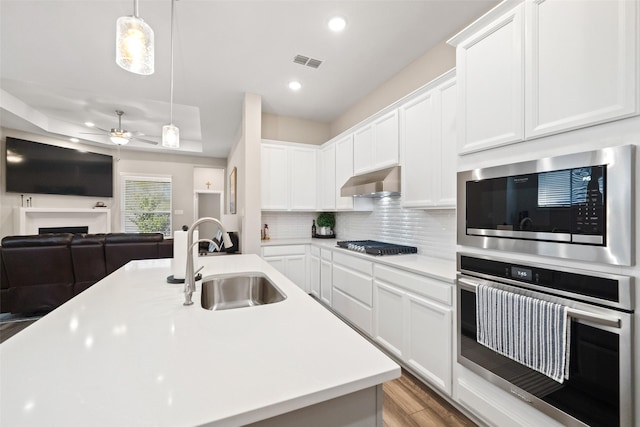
600	306
577	206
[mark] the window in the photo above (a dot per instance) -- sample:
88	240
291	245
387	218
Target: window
146	205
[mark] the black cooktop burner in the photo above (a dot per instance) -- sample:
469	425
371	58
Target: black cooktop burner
374	247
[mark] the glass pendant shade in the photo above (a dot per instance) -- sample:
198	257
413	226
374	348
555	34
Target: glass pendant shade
134	45
170	136
119	140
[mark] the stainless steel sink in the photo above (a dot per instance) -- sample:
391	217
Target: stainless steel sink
236	291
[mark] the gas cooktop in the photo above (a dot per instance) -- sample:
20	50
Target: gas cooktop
374	247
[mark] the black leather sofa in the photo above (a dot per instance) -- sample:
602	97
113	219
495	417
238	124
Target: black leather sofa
40	272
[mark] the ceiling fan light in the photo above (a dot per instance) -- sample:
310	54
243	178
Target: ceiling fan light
119	140
170	136
134	45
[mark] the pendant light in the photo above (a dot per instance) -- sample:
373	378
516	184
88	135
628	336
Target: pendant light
134	43
171	133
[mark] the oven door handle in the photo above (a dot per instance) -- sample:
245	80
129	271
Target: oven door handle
600	319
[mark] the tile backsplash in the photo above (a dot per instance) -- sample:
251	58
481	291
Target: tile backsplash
433	232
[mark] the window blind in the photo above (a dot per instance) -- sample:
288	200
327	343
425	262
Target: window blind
146	205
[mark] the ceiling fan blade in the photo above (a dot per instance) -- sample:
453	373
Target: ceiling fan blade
94	133
99	128
146	141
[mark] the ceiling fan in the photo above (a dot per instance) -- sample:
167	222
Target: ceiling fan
119	136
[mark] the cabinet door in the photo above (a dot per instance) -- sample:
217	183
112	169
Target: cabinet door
418	130
279	263
429	341
314	276
445	181
344	170
363	150
326	282
297	270
582	59
388	313
386	140
327	178
490	80
302	181
275	186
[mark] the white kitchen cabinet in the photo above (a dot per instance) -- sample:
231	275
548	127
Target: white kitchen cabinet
490	69
581	64
389	317
288	176
545	66
428	139
353	290
375	145
326	276
327	177
314	271
344	170
429	340
290	260
413	319
275	182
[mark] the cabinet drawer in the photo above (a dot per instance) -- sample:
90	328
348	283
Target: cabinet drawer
354	311
421	285
315	251
283	250
360	265
353	283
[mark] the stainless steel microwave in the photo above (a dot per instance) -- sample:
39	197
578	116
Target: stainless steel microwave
577	206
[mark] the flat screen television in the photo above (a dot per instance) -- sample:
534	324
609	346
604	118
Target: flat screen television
32	167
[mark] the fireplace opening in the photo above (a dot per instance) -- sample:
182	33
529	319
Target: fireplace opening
73	230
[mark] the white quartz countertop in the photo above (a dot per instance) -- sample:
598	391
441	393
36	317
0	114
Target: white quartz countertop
127	352
437	268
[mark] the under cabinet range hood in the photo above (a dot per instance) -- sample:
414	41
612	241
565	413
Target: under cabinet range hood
380	183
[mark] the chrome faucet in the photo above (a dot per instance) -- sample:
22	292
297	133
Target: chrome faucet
190	275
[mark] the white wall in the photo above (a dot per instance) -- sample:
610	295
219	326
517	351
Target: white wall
180	168
245	156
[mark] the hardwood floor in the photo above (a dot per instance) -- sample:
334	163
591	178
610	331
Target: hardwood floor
410	403
407	401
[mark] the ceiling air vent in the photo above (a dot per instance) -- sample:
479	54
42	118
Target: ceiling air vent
305	60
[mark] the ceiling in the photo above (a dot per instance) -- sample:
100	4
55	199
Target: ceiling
58	70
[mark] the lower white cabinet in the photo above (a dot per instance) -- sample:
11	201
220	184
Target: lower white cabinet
413	319
352	290
326	277
314	271
289	260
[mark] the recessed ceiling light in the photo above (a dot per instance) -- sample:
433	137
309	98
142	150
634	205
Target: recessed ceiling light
294	85
337	24
89	124
74	140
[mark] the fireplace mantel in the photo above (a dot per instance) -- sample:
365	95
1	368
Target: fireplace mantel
27	221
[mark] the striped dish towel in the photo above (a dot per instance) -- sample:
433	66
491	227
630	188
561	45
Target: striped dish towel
528	330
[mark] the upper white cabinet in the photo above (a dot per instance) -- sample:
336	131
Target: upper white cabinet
327	178
344	169
375	145
544	67
581	64
288	176
490	70
428	140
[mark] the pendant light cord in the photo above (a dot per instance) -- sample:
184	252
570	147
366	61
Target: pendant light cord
135	8
171	96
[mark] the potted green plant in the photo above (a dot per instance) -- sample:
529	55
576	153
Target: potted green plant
326	221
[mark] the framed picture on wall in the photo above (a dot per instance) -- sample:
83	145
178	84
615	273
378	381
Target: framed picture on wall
233	182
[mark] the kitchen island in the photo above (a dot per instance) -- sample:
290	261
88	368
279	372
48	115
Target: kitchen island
127	352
